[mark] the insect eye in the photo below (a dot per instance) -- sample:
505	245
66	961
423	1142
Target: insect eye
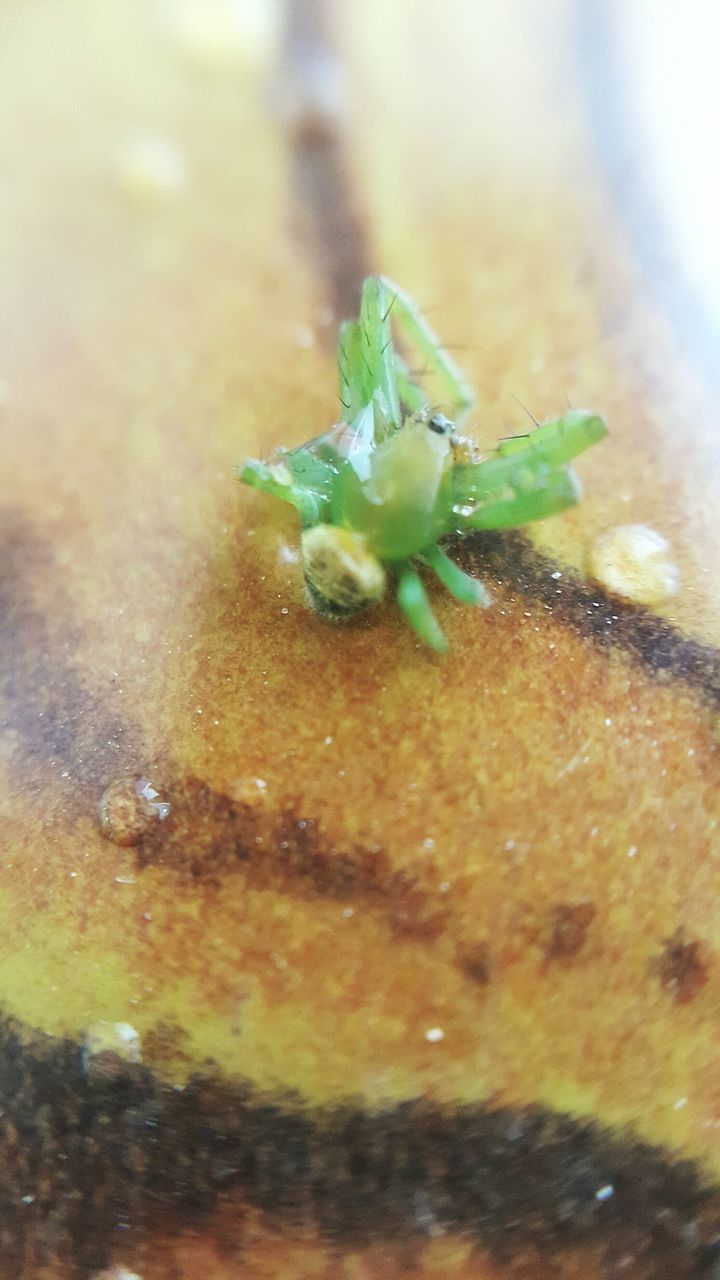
441	425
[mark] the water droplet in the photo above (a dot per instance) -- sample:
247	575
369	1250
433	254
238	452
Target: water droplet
604	1193
434	1035
634	562
127	810
151	169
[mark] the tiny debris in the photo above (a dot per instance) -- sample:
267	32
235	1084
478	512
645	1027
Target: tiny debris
434	1035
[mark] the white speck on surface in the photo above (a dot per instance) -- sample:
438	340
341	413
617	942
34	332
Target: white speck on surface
151	169
434	1035
287	554
604	1193
118	1038
607	722
634	562
347	913
632	851
679	1104
116	1273
260	783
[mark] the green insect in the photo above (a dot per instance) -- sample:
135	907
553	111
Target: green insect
379	490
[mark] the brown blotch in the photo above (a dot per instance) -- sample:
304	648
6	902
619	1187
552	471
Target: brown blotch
57	722
682	966
209	835
414	908
475	961
568	927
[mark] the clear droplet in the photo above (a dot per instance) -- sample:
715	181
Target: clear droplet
635	562
128	809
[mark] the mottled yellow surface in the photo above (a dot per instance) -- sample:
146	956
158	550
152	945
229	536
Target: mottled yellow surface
148	345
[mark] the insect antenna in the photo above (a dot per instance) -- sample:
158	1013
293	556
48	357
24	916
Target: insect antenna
526	410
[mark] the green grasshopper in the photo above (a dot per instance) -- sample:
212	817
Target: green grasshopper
379	490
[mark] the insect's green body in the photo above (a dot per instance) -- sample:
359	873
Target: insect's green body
382	487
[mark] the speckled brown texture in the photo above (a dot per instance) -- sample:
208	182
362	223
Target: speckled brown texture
416	968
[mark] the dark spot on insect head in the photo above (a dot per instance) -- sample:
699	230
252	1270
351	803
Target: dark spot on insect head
441	425
682	966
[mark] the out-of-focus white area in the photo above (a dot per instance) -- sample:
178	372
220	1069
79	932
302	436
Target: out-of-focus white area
218	34
669	62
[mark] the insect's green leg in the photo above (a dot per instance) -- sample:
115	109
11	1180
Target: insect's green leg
559	490
366	364
270	480
556	442
410	394
460	585
415	605
406	313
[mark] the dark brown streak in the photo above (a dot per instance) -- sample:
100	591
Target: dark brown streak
331	223
59	722
586	608
92	1159
286	853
